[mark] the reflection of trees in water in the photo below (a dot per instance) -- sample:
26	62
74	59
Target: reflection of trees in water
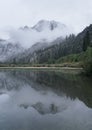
9	80
71	85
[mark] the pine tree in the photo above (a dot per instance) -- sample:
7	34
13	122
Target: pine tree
86	41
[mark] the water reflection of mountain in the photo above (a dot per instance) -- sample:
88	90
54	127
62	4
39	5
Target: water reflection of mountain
71	85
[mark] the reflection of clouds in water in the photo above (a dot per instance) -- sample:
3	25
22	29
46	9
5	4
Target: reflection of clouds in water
4	98
30	109
29	97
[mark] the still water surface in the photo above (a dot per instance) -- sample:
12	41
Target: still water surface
44	100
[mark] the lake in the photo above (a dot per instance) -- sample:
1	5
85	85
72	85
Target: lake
45	100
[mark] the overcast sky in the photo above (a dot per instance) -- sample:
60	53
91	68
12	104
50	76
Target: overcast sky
16	13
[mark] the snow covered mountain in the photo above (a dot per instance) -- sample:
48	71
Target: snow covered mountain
43	31
48	25
26	40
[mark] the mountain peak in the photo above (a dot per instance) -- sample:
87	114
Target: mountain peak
48	25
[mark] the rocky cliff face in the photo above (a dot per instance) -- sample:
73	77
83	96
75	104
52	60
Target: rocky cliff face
9	50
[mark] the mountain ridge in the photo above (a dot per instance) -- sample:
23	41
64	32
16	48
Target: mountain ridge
39	36
44	50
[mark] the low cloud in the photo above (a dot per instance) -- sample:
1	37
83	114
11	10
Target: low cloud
29	37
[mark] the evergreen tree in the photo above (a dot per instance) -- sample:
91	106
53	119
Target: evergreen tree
86	41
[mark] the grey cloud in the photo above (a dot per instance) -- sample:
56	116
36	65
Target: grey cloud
18	13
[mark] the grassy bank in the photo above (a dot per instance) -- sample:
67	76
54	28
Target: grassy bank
66	64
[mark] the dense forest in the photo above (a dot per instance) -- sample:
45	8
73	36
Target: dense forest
70	45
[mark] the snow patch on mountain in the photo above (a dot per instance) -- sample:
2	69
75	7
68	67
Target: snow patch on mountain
48	25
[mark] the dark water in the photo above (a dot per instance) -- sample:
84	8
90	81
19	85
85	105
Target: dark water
42	100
